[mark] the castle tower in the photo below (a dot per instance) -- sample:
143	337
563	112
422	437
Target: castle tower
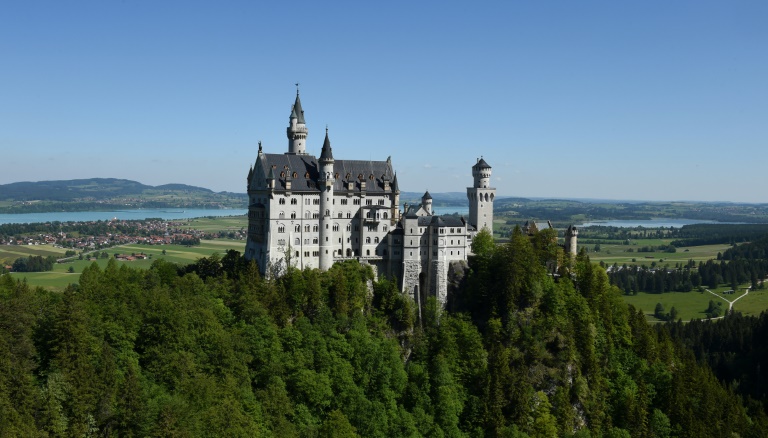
571	237
297	128
481	197
325	184
426	202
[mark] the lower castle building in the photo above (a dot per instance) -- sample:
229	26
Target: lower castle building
314	211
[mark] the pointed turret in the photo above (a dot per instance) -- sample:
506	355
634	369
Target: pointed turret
326	154
297	128
297	110
426	202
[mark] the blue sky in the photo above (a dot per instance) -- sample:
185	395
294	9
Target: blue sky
651	100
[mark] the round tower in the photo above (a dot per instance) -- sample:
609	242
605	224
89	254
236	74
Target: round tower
297	128
571	239
325	184
481	196
426	202
482	174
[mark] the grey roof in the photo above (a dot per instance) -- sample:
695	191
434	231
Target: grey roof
326	153
426	195
481	164
447	221
307	168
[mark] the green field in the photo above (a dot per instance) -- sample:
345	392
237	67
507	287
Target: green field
9	253
753	304
616	253
691	305
230	223
59	278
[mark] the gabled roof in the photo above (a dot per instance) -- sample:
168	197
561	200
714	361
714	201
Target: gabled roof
307	170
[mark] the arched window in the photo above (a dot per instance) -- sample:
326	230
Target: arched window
293	215
281	229
367	240
339	215
281	215
327	212
281	201
297	228
376	240
386	216
349	227
294	201
349	215
315	228
306	228
298	241
295	175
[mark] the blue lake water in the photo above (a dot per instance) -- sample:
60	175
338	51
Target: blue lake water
652	223
138	214
80	216
463	211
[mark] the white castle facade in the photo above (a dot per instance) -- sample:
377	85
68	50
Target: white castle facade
313	212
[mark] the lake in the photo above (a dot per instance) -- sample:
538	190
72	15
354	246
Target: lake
138	214
652	223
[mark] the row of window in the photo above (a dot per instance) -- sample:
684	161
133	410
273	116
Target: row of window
316	201
434	253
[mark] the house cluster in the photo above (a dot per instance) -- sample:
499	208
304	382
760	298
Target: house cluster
152	232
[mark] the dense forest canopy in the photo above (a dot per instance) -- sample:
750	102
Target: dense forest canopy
213	349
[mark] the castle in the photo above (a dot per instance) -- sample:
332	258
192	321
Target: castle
314	211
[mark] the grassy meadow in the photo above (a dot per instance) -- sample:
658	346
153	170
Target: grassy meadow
59	278
617	253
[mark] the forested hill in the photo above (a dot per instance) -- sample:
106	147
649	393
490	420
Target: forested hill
109	193
213	349
97	188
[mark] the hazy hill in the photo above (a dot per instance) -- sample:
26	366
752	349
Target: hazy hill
107	194
69	190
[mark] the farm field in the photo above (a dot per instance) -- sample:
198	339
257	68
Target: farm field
59	278
224	223
616	253
9	253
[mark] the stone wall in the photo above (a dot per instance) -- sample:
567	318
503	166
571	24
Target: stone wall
411	271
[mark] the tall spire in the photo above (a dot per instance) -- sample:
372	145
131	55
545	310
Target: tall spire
326	153
297	128
297	107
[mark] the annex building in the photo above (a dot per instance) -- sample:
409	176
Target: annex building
317	210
